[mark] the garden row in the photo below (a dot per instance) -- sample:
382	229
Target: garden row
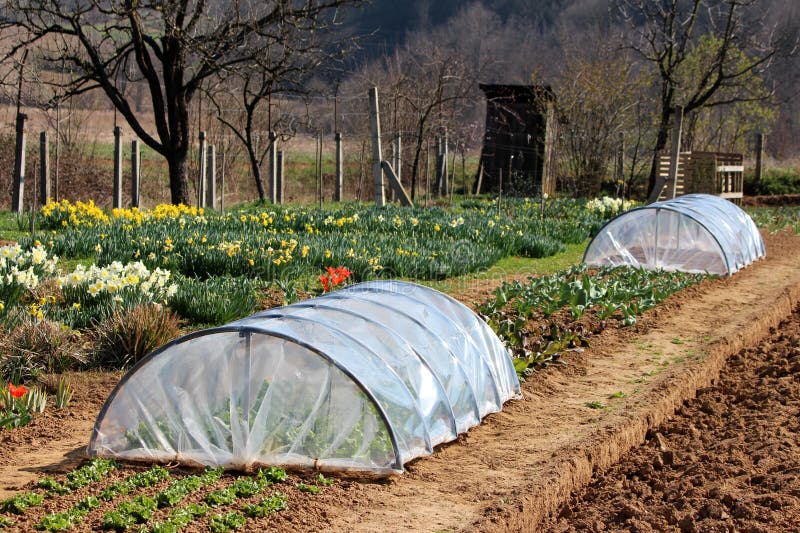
542	317
155	500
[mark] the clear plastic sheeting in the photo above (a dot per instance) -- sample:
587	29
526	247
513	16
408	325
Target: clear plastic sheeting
362	379
691	233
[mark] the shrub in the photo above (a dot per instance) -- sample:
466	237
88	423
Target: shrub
36	346
127	335
214	301
775	181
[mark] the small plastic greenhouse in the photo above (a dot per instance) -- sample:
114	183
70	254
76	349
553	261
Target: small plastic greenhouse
365	379
691	233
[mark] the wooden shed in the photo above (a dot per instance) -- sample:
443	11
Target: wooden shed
519	139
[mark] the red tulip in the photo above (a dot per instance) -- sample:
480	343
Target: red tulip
17	392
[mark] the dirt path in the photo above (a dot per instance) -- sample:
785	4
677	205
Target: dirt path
520	465
729	460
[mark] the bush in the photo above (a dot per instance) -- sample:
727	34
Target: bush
775	181
127	335
34	347
214	301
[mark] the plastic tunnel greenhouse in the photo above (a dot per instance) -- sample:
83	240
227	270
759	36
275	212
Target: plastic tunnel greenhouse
691	233
363	379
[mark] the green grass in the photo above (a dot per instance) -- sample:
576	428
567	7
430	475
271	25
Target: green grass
9	227
513	266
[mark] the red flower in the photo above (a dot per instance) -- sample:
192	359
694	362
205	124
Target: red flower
17	392
334	277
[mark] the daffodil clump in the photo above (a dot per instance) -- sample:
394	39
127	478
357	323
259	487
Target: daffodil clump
55	215
95	292
21	270
608	206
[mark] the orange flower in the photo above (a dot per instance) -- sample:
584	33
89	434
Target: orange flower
17	392
334	277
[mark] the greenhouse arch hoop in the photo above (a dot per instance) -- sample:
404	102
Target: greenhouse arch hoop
362	379
691	233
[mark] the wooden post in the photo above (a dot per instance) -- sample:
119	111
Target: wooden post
136	172
58	150
44	171
398	158
273	174
319	167
211	178
33	204
117	198
279	174
394	182
18	195
377	172
675	155
437	165
337	192
427	171
760	138
499	190
202	169
443	183
620	174
222	185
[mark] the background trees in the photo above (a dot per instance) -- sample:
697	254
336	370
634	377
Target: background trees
173	47
618	67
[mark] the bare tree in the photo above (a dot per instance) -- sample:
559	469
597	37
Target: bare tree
173	46
597	91
666	33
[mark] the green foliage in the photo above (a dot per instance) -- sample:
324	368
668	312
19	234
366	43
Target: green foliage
221	523
19	503
129	513
311	489
267	506
67	519
322	480
181	488
214	301
220	497
179	518
775	181
129	334
92	472
64	393
37	346
273	474
776	218
148	478
623	292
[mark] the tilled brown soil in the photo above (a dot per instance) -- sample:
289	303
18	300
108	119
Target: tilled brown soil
729	460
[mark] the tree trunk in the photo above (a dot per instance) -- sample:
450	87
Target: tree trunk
256	169
661	143
178	180
252	150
